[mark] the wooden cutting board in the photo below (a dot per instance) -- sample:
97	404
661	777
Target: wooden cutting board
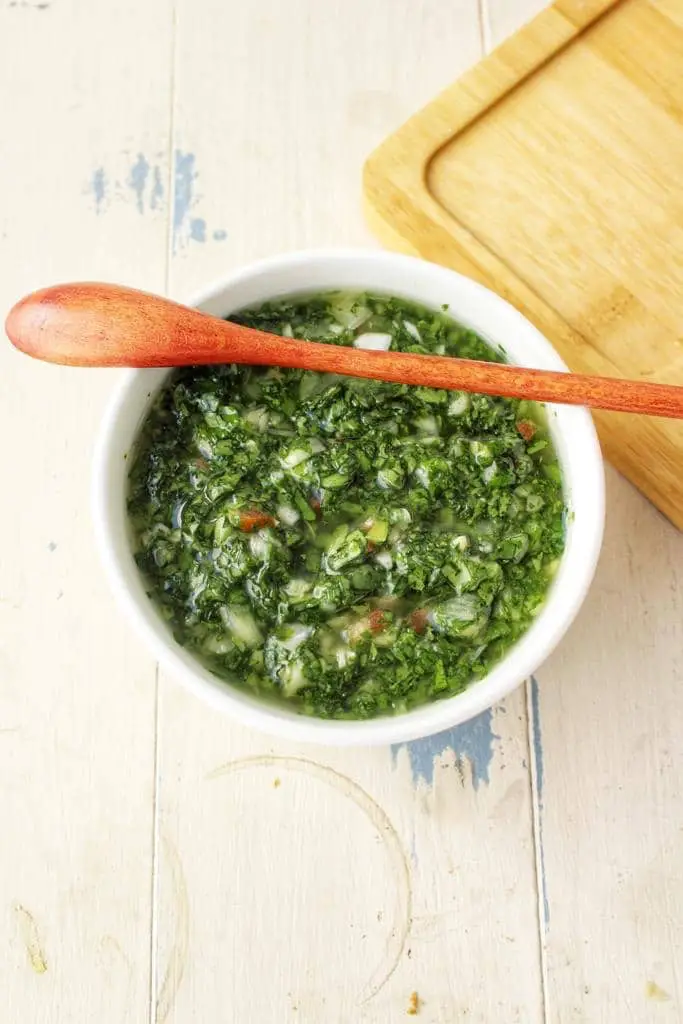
553	173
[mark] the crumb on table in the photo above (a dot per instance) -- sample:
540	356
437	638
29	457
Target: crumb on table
413	1004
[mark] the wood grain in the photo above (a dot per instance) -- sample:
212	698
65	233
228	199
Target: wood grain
528	175
77	695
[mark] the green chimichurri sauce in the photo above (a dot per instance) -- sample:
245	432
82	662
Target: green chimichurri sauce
351	547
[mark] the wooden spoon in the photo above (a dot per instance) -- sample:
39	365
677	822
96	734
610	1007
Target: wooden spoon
108	325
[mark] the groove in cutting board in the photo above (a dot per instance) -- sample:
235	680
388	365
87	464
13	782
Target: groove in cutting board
550	172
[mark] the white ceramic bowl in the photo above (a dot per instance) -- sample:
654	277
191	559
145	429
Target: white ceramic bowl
572	431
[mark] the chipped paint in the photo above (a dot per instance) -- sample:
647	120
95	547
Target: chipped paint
157	189
98	186
537	743
537	752
145	180
143	184
183	196
473	740
137	180
186	227
198	229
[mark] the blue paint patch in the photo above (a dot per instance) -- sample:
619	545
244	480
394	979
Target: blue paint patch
137	180
198	229
186	227
143	184
537	749
98	185
183	195
157	190
473	740
537	742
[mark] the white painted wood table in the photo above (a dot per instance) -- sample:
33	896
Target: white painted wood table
158	863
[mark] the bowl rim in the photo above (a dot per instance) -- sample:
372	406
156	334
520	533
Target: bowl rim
519	662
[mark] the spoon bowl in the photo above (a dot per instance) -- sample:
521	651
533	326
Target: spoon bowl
92	324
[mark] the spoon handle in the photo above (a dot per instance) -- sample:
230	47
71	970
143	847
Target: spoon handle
109	325
473	376
607	393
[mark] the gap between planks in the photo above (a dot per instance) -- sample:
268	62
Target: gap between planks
485	34
171	189
534	739
156	824
535	761
533	720
154	916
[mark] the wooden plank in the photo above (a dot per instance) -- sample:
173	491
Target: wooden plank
608	718
83	157
308	885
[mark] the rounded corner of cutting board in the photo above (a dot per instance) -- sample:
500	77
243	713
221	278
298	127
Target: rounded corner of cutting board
377	192
402	211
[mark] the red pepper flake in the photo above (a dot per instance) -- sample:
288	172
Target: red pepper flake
377	620
371	546
418	620
255	520
315	505
527	429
